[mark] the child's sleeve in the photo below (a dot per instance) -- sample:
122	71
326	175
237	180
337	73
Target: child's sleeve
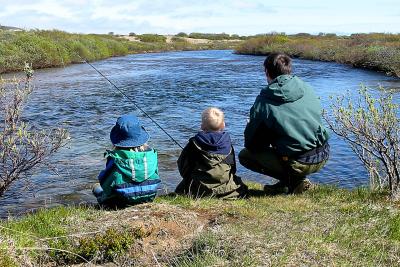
106	172
184	161
107	180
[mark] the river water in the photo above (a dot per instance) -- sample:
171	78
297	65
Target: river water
173	88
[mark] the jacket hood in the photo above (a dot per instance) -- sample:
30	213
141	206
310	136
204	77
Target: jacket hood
214	142
283	89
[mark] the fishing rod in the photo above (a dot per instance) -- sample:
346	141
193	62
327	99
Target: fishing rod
132	101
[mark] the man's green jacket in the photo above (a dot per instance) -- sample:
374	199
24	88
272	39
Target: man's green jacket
287	116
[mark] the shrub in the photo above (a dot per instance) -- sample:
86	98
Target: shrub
22	147
57	48
371	126
209	36
152	38
302	34
181	34
375	51
99	248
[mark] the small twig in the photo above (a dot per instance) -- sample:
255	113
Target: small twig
155	258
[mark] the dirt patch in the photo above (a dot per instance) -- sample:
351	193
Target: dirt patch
166	230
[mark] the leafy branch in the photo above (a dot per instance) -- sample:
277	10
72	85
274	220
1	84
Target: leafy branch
371	127
21	147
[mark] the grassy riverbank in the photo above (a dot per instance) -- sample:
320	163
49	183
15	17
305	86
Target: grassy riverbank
379	52
326	226
45	49
57	48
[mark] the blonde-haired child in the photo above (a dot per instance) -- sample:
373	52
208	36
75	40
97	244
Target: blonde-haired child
212	119
207	163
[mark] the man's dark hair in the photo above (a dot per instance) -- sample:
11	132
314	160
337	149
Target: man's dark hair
278	64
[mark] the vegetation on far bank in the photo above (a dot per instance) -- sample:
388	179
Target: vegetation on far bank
376	51
325	226
57	48
212	36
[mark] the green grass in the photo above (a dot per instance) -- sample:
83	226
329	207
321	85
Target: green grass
27	233
55	48
326	226
48	235
372	51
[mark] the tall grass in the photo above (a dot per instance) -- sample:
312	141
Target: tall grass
376	51
57	48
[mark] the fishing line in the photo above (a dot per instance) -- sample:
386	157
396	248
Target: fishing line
132	101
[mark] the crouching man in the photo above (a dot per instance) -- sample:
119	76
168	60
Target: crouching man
285	138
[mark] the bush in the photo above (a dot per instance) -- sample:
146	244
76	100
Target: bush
100	248
371	126
55	48
21	147
152	38
372	51
209	36
181	34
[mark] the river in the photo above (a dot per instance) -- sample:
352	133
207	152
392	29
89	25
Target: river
173	88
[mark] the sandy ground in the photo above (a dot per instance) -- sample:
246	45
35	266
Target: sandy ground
130	38
169	39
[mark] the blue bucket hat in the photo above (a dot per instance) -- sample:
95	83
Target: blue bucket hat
127	132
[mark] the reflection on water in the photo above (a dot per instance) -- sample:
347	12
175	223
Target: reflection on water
173	88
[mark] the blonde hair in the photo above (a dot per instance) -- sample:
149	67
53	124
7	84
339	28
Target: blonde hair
212	119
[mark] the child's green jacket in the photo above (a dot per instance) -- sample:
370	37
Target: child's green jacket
130	177
208	168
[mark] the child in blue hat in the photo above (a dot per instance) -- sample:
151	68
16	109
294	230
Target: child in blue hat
131	173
